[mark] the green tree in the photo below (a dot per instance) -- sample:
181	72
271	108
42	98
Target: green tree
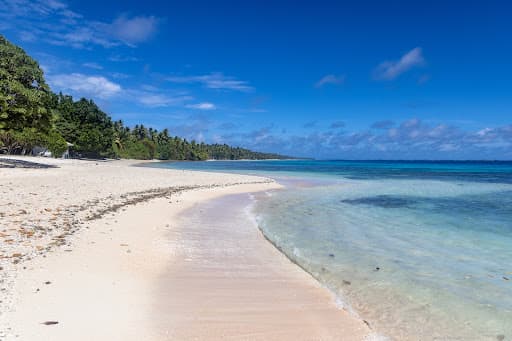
83	124
55	143
21	142
24	95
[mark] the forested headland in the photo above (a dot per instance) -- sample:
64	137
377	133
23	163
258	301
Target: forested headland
32	115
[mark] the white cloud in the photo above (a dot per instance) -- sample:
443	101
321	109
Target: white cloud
410	139
31	7
330	79
81	37
95	66
133	30
119	75
390	70
484	132
215	80
84	85
120	58
154	100
27	36
202	106
448	147
337	125
69	28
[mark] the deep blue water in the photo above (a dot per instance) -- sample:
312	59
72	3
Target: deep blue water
479	171
421	250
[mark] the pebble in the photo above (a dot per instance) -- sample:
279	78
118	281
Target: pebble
50	323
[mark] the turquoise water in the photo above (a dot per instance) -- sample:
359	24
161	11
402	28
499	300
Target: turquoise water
421	250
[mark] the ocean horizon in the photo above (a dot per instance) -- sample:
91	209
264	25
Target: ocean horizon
418	249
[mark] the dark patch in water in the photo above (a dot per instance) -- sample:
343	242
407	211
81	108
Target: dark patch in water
489	207
385	201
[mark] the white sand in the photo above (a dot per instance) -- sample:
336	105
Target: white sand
130	275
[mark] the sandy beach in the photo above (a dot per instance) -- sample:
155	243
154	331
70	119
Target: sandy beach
107	251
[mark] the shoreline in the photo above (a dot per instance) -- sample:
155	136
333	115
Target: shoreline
33	295
228	282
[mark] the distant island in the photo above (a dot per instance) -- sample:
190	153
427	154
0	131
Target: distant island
32	116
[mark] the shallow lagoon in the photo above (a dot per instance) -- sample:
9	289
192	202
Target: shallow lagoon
418	249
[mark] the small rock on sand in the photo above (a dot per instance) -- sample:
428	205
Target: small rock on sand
50	323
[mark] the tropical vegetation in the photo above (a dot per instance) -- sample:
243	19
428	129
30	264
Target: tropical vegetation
31	115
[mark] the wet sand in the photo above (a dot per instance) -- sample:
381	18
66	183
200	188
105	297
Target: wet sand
228	282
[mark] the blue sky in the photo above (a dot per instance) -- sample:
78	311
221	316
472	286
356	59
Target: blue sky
353	80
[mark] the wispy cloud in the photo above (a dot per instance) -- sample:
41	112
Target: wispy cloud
310	124
337	125
121	58
134	30
215	80
91	65
410	139
390	70
54	64
202	106
119	75
330	79
227	126
36	7
156	100
384	124
69	28
151	96
194	128
84	85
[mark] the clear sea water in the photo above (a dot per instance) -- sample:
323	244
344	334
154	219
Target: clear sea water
420	250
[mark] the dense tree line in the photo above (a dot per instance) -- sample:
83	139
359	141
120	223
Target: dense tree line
148	143
31	115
